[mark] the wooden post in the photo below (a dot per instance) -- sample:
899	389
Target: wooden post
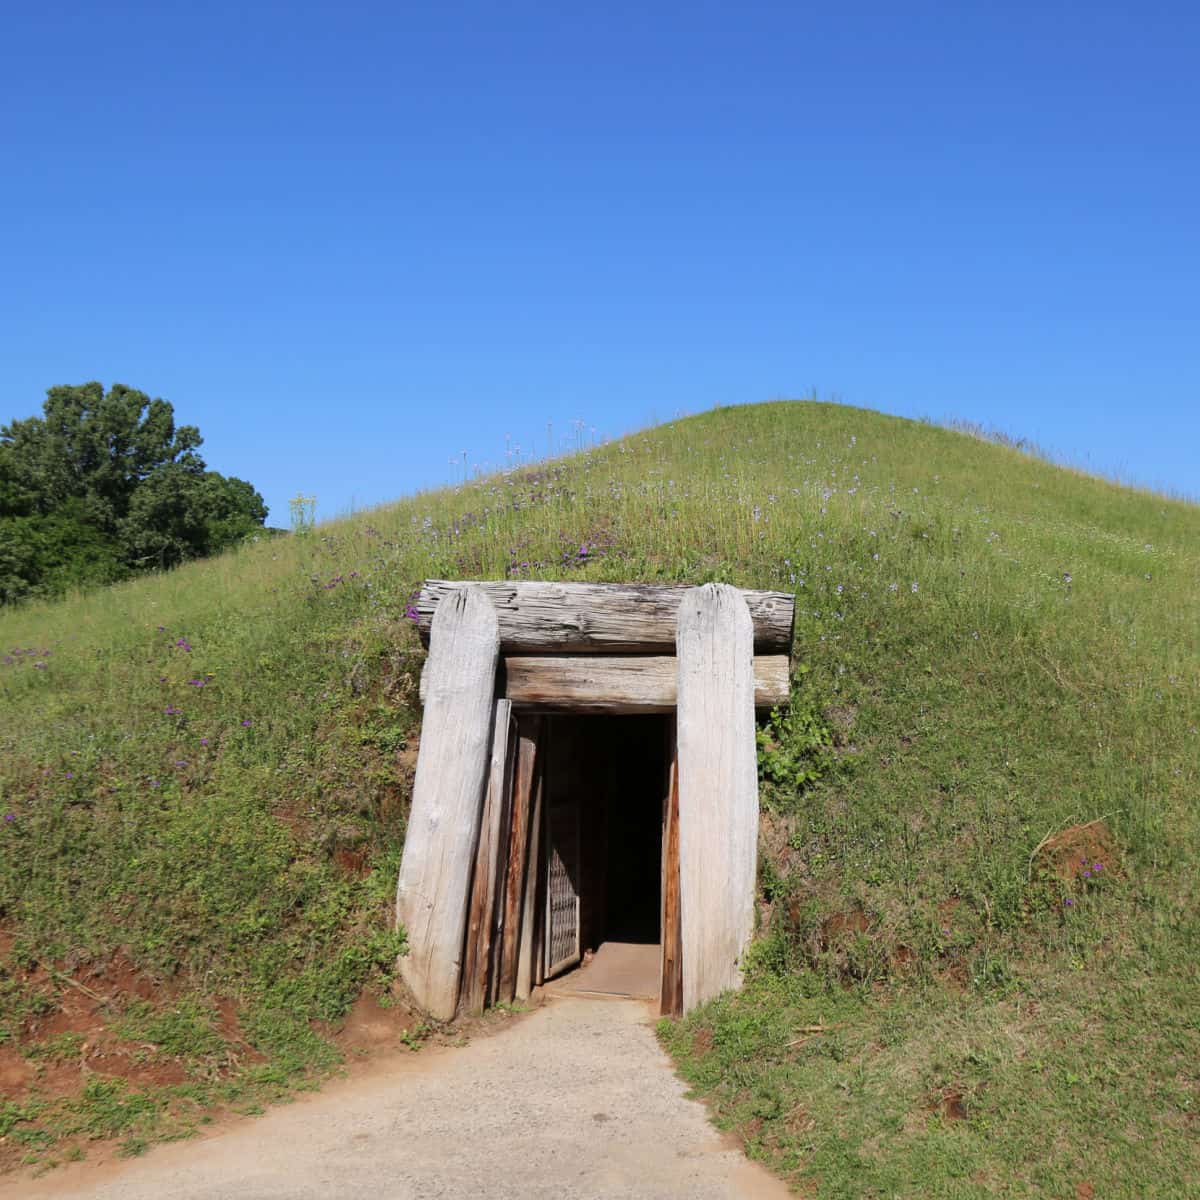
443	827
718	789
524	787
485	889
529	912
670	1002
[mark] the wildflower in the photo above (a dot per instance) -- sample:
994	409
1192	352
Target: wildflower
197	683
1067	578
204	741
162	629
39	666
838	589
914	585
1097	868
172	711
183	644
411	613
181	762
893	587
154	783
70	774
1068	902
246	724
10	817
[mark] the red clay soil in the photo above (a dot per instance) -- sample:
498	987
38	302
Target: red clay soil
1072	851
834	928
86	1006
949	1105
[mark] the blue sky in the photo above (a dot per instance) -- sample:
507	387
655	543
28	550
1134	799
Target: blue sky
352	241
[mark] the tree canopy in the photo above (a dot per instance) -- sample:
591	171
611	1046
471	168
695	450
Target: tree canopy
105	484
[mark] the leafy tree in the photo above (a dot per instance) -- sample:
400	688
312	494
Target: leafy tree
105	483
179	513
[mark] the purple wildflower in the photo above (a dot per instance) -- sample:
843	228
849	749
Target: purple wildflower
246	724
183	644
1068	902
181	762
411	613
1097	868
10	817
204	741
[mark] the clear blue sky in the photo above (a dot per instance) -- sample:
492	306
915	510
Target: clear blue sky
352	240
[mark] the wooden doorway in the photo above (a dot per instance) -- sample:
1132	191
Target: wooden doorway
606	786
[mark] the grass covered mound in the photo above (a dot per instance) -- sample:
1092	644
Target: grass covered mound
976	970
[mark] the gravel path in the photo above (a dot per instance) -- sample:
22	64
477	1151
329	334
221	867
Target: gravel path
576	1100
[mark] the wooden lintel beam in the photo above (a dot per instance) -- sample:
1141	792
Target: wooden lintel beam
538	617
617	684
620	683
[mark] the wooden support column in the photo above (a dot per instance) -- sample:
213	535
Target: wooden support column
718	789
529	911
443	827
525	786
486	885
670	1002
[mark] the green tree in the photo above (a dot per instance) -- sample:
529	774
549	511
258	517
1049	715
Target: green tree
105	483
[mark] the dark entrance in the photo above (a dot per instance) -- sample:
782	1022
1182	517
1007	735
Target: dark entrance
605	785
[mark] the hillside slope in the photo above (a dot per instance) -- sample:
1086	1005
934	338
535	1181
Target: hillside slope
205	777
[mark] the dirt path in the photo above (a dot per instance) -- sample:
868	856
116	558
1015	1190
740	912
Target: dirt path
576	1100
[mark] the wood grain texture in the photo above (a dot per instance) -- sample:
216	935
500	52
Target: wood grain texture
670	1002
481	914
443	827
525	784
529	909
586	618
718	789
621	684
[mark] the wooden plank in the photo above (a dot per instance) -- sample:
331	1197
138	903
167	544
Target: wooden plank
529	913
618	684
433	889
481	919
585	618
503	840
524	787
718	789
671	974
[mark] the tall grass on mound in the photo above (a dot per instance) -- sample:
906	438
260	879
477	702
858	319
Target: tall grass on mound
211	768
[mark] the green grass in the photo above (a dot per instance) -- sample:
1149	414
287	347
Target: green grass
990	649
